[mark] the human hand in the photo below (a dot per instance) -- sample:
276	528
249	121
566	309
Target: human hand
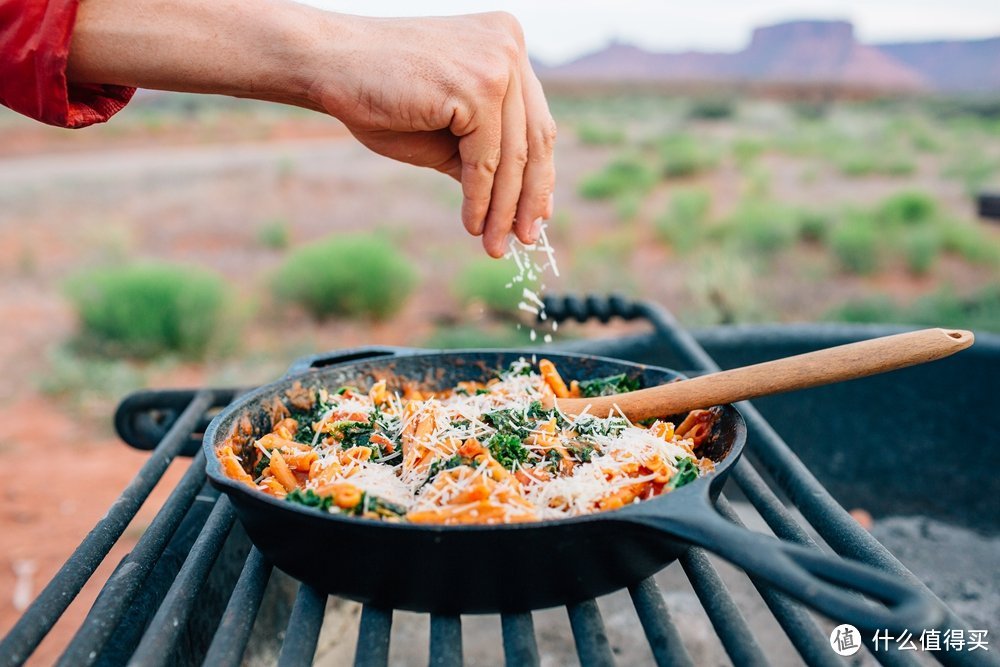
456	94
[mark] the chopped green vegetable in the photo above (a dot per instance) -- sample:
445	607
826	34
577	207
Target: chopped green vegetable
507	450
687	472
310	498
606	386
519	367
482	392
582	454
442	464
589	425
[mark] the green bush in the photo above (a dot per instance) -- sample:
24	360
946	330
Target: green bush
746	150
682	224
683	155
712	108
862	160
627	205
980	310
855	242
149	309
973	168
485	280
920	248
907	208
355	275
465	337
274	234
624	174
592	134
813	225
762	227
969	241
869	310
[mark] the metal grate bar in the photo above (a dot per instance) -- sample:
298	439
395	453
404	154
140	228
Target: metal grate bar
798	624
664	640
726	617
157	645
231	637
302	633
125	582
786	527
588	633
373	637
446	641
43	613
819	508
519	645
836	526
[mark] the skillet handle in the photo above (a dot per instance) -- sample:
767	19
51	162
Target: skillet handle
338	357
828	584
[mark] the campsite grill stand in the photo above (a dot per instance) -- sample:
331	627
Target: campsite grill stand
173	599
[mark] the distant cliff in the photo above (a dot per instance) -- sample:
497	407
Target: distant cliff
804	52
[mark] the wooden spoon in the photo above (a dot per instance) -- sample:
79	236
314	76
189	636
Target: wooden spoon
835	364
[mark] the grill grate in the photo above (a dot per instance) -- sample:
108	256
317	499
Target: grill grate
145	612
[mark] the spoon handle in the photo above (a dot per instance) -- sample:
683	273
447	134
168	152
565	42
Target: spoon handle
835	364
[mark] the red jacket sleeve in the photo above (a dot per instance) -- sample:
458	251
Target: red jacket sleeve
34	45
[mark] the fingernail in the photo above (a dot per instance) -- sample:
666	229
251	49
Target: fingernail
536	230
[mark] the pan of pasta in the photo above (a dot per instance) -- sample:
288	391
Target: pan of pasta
437	481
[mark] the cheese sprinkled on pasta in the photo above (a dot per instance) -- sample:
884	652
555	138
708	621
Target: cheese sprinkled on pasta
476	453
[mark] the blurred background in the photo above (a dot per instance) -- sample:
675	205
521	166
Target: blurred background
735	164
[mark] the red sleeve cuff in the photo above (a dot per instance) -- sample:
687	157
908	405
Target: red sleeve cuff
34	48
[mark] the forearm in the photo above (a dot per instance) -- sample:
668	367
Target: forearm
260	49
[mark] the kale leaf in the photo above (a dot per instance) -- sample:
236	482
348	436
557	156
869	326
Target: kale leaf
606	386
687	472
442	464
309	498
507	450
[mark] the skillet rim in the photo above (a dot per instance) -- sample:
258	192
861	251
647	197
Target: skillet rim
213	467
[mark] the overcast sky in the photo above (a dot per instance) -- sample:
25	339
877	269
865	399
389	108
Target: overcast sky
558	30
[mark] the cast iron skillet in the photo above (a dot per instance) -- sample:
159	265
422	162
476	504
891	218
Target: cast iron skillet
518	567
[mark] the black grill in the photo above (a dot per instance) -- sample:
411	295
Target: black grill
191	590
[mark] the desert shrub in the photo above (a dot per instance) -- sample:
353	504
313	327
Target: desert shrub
762	226
486	280
813	225
746	150
684	155
83	379
969	241
980	310
357	275
682	224
907	208
592	134
275	234
148	309
973	168
868	310
627	205
624	174
712	108
857	161
855	242
920	249
465	337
